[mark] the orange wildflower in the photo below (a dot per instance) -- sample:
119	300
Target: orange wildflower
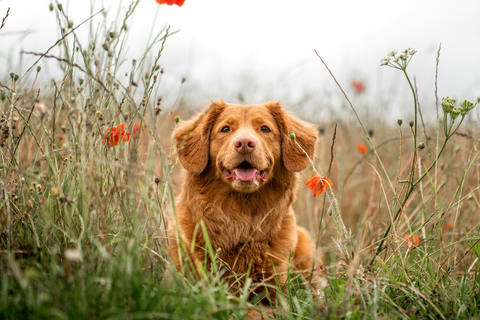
358	86
412	240
319	184
171	2
116	134
362	148
136	129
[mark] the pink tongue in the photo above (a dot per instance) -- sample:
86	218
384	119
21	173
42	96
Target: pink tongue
245	174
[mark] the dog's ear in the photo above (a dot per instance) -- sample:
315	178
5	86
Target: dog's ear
294	159
192	138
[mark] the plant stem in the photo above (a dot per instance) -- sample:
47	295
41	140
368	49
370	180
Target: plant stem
409	192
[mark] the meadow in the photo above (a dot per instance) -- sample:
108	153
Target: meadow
84	200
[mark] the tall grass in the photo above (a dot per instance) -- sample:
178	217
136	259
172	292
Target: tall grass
82	223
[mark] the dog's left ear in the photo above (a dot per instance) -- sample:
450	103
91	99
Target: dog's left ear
192	138
294	159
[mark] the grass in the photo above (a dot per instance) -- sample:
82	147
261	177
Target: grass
82	226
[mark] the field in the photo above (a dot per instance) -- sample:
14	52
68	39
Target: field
82	215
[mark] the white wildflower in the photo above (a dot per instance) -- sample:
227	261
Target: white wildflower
393	53
39	109
73	255
384	61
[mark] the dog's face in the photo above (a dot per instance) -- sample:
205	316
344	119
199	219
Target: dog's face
244	145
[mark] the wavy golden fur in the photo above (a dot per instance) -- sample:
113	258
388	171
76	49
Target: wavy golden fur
241	182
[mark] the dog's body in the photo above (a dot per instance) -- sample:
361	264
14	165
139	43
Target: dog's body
241	182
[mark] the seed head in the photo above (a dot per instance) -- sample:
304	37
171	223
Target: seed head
39	69
50	6
177	118
421	146
70	24
3	96
157	180
411	123
292	135
399	121
60	7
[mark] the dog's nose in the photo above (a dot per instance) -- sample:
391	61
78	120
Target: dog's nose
244	145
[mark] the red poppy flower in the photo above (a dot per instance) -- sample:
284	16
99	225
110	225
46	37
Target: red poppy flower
412	240
358	86
116	134
319	184
362	148
171	2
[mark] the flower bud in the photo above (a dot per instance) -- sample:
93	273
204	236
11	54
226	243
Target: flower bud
105	46
411	123
399	121
60	7
3	96
70	24
448	104
39	69
177	118
157	180
50	6
292	135
421	146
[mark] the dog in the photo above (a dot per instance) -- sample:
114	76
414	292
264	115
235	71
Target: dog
240	183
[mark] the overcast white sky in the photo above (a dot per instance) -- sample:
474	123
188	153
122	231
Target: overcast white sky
266	46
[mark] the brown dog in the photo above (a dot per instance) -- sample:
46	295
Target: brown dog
241	182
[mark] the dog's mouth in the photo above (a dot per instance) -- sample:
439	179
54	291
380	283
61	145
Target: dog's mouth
246	172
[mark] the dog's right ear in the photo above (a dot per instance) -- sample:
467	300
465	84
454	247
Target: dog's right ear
192	138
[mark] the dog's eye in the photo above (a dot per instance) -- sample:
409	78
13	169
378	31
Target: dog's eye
265	129
225	129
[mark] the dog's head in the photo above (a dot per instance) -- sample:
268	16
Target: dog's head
244	145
